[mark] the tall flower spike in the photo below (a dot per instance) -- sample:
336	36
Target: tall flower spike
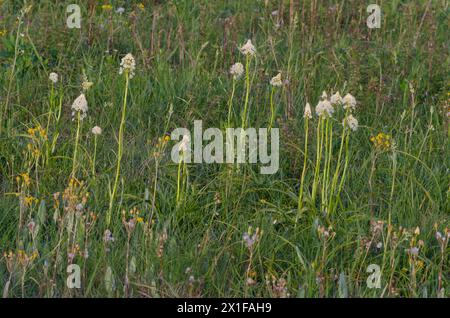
184	145
237	70
248	48
276	81
324	108
336	99
307	113
349	102
80	105
53	77
351	122
128	65
97	130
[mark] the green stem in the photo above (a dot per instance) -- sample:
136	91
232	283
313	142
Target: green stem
75	152
247	90
272	109
338	166
95	154
318	158
120	150
305	157
230	104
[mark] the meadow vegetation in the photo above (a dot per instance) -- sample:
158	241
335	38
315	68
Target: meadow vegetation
86	176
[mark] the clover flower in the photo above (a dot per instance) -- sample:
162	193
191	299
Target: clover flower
248	48
128	65
237	70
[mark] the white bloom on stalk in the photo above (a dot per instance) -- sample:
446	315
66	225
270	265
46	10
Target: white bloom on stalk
324	95
307	113
53	77
336	99
128	65
350	122
276	81
80	105
349	102
237	70
185	144
97	130
324	108
248	48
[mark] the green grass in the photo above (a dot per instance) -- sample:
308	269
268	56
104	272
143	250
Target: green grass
184	50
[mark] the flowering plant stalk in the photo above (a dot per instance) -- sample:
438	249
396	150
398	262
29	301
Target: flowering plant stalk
327	160
75	151
230	103
338	165
307	116
95	131
272	109
120	149
319	145
182	170
247	90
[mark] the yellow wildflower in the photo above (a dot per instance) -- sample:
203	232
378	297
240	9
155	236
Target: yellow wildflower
382	141
107	7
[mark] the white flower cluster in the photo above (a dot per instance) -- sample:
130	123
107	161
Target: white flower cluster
53	77
185	144
307	113
96	130
248	48
128	65
237	70
350	122
80	105
276	81
324	108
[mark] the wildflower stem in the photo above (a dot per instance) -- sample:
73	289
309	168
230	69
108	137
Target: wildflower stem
305	157
325	164
120	150
95	154
272	109
318	158
247	90
230	104
345	165
338	165
75	152
179	181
